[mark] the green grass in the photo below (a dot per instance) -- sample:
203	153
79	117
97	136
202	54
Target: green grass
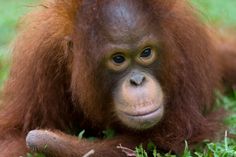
217	12
221	13
10	12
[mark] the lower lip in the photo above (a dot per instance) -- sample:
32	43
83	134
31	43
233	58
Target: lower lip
149	114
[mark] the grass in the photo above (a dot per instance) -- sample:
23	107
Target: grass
218	12
11	11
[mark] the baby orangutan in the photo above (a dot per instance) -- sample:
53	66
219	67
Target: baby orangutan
147	69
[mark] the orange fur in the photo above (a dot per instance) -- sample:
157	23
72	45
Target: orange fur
48	88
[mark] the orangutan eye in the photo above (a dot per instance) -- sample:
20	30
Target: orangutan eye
118	59
118	62
146	53
147	56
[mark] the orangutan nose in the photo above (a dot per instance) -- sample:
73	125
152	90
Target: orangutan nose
137	79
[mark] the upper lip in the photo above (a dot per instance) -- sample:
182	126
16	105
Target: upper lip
142	113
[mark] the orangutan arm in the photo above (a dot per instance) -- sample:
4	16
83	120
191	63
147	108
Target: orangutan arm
57	144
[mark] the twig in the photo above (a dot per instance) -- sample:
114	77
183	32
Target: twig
127	151
91	152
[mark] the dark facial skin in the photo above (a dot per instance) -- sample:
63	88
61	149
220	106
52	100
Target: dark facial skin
126	25
131	45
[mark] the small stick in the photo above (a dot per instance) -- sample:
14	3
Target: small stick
127	151
91	152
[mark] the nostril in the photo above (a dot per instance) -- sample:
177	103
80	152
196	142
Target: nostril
137	80
133	83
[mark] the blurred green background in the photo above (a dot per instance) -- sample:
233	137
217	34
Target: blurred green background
220	13
10	13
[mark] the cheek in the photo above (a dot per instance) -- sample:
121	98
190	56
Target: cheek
139	107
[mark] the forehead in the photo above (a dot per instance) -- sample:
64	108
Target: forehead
124	20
